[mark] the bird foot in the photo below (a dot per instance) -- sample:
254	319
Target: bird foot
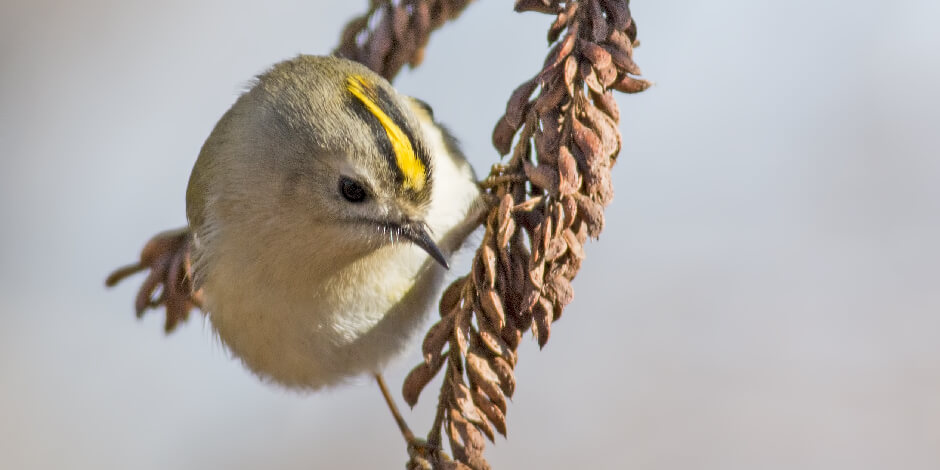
425	456
167	256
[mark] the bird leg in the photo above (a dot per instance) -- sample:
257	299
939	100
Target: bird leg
415	445
402	425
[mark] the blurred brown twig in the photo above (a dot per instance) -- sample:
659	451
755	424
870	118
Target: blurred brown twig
400	33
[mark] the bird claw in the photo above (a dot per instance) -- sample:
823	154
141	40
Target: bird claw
426	456
169	283
418	446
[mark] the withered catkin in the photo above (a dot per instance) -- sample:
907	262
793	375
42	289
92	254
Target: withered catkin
549	198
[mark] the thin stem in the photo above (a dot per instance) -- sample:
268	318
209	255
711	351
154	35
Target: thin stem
434	435
402	425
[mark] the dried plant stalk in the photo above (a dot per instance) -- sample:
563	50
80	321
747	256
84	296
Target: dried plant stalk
550	195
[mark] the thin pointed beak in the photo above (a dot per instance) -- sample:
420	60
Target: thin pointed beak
418	234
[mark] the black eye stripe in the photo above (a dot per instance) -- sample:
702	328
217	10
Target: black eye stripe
388	106
378	133
394	112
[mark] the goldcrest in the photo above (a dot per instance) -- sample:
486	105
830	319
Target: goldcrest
324	207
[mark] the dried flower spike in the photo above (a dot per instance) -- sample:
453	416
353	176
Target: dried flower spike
549	202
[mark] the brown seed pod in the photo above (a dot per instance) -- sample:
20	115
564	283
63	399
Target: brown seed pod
531	297
488	257
606	129
591	213
436	338
623	60
606	103
542	320
511	336
504	210
572	264
570	71
466	442
482	375
554	93
598	55
569	181
491	411
589	76
418	378
518	105
492	308
561	22
537	270
561	50
570	208
520	286
497	346
587	141
546	148
557	212
463	402
543	176
631	32
462	330
561	290
550	125
556	248
629	84
541	6
598	22
507	229
503	370
451	296
546	236
618	38
607	75
575	246
618	13
503	134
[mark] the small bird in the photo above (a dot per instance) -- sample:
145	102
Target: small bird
323	209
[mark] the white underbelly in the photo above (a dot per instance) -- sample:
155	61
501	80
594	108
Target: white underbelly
353	324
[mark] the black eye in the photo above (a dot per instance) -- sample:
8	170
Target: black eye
351	190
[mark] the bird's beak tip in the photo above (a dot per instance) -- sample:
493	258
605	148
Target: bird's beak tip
420	237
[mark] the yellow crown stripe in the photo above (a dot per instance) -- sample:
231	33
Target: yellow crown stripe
409	164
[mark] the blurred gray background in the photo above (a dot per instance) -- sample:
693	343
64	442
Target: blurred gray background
765	294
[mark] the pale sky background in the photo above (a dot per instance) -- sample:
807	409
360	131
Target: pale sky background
765	294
